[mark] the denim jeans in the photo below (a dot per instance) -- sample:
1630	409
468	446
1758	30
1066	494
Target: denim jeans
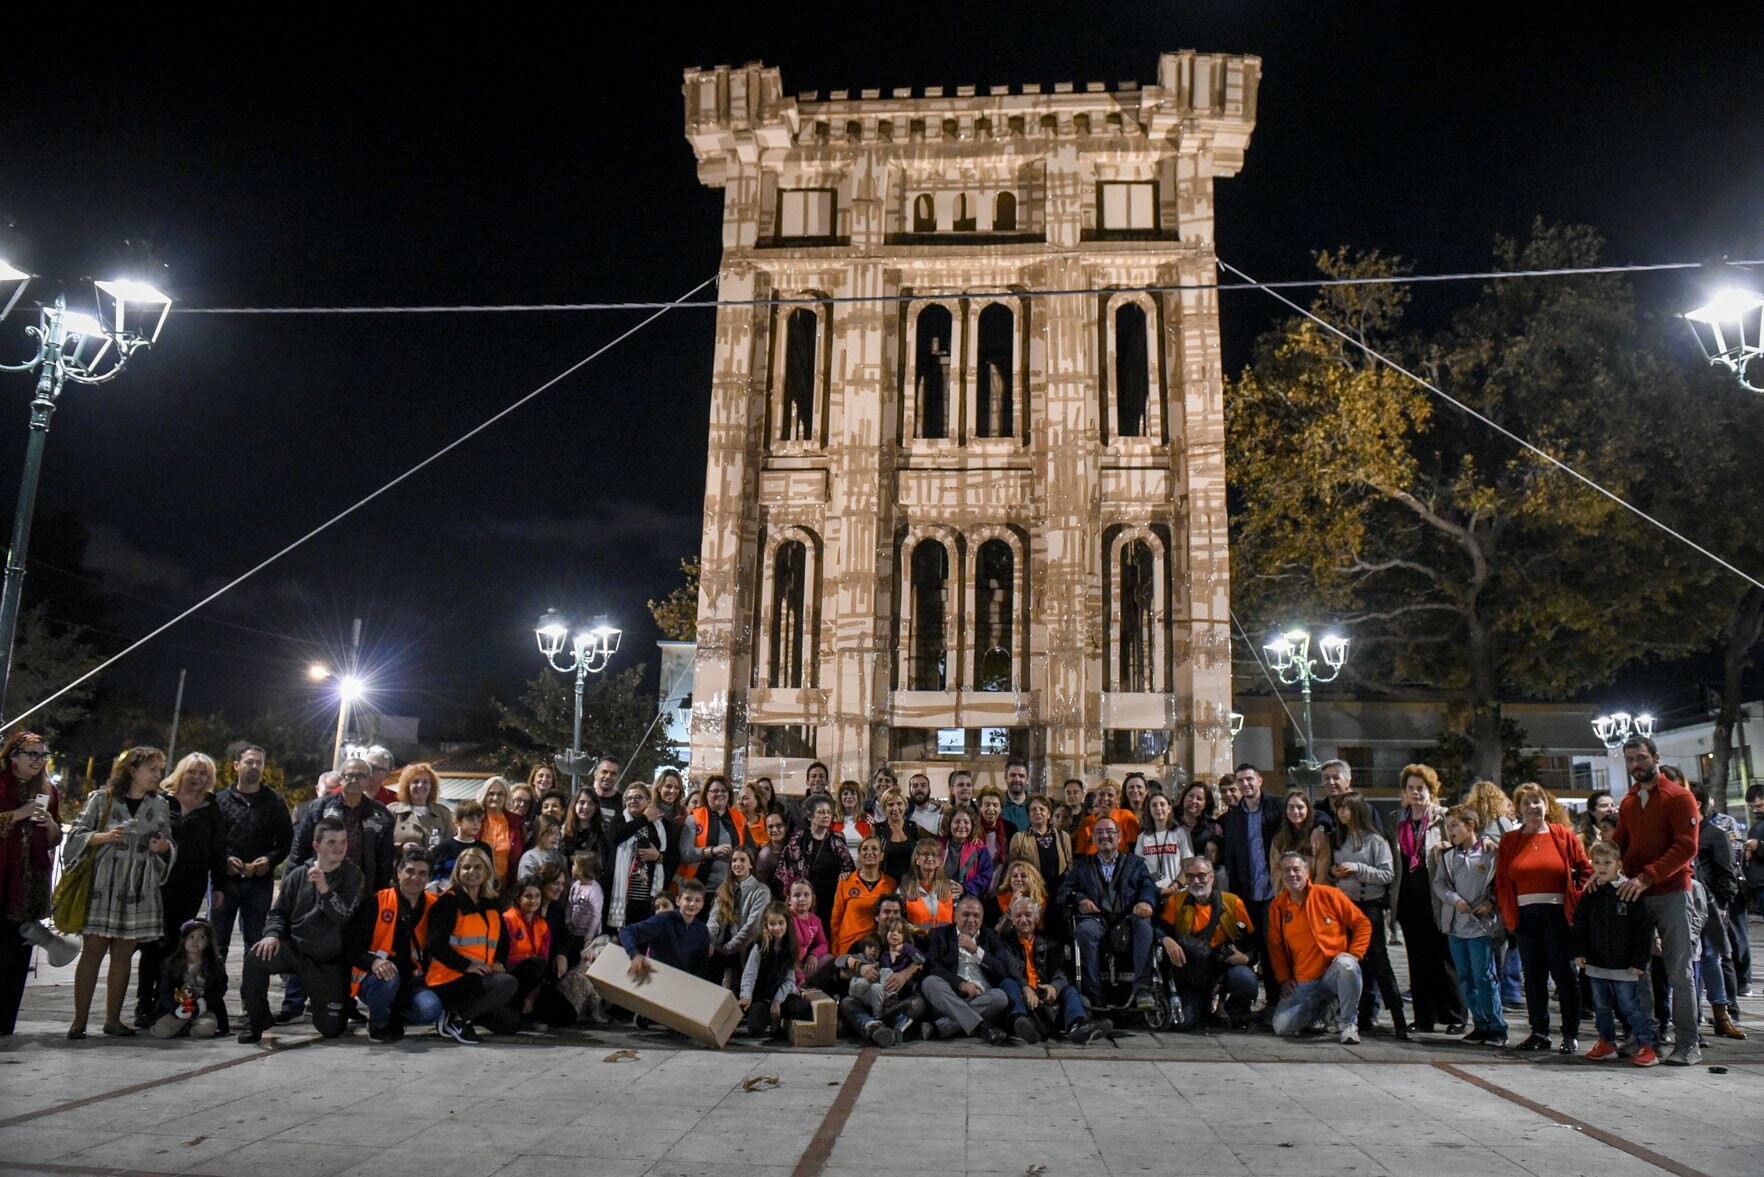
1338	986
1090	931
381	999
1474	959
1627	998
247	901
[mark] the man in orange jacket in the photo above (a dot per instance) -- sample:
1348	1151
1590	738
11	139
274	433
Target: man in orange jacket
1316	937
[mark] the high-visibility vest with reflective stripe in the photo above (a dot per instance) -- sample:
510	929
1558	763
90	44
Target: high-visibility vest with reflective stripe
386	931
475	935
701	819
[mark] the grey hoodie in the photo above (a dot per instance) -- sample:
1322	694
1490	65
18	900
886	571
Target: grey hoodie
1468	875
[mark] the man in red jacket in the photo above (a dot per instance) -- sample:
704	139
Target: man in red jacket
1657	833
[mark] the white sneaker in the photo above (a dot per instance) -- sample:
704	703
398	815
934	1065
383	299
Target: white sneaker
1350	1036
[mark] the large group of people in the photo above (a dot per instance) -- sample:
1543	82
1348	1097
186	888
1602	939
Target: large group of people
995	913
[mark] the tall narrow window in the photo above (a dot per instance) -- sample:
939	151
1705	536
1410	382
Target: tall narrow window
966	219
925	214
1138	588
1131	370
1004	213
805	212
931	381
799	376
994	609
789	613
994	416
930	595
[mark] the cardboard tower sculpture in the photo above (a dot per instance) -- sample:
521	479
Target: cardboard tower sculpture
965	496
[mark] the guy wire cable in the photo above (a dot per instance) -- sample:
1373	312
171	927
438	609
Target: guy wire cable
1501	429
360	503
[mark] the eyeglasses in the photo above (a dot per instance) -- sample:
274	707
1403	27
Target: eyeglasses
37	756
355	776
1200	878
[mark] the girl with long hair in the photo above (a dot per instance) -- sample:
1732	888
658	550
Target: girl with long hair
768	979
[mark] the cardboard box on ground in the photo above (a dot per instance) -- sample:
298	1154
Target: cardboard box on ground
702	1011
821	1029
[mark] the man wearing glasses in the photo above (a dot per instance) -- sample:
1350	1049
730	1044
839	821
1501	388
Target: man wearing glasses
369	826
1206	934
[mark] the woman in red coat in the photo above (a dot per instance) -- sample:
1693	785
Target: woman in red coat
28	831
1539	871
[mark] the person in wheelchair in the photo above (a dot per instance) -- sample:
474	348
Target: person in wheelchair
1206	934
1111	896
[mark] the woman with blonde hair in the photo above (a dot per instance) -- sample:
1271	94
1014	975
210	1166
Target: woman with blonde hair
468	948
1020	879
927	895
1493	809
418	816
898	835
199	833
1539	873
504	831
126	826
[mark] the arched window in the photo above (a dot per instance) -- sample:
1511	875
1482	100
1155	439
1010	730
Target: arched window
1138	587
925	214
995	602
930	597
1004	213
789	614
966	218
798	423
994	411
931	400
1132	370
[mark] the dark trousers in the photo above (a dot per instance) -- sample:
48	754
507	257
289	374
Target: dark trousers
326	983
1546	950
15	967
1739	938
470	997
537	977
245	902
1433	981
760	1023
1375	969
1258	946
1239	985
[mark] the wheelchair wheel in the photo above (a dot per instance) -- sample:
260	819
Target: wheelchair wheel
1162	1015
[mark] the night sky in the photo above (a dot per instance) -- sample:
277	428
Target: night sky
448	164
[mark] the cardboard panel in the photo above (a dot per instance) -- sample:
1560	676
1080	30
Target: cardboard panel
823	1027
702	1011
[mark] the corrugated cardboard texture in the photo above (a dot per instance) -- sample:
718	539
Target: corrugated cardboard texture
702	1011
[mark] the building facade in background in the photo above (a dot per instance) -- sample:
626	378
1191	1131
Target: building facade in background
965	495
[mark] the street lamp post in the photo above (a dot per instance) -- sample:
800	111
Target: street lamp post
1730	328
1614	730
85	349
590	651
1289	656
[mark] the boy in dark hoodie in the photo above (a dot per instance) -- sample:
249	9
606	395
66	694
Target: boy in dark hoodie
1613	940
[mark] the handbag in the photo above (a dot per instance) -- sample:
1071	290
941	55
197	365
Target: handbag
73	894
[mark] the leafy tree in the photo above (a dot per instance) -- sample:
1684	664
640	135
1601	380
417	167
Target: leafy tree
46	657
1461	562
618	718
676	614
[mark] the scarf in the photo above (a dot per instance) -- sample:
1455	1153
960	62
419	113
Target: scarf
615	915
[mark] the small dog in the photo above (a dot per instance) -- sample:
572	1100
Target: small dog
580	991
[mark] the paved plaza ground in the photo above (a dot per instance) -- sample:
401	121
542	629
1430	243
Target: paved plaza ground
1142	1103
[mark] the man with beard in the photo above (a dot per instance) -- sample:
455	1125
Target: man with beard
1657	833
1016	800
259	836
921	810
